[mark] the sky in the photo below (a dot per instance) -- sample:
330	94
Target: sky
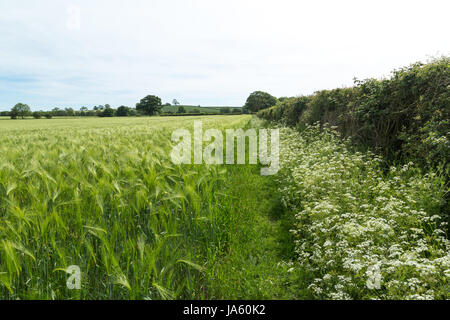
58	53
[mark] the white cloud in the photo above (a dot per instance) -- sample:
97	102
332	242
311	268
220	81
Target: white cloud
205	52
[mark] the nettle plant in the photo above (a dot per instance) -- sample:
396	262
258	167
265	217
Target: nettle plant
363	233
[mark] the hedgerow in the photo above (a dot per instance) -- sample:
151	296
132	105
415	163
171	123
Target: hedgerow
404	117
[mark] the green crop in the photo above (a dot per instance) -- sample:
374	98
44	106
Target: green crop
103	194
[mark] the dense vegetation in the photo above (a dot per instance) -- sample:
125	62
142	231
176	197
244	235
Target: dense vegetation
259	100
174	109
361	232
370	225
404	117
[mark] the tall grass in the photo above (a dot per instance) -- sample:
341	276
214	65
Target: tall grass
103	194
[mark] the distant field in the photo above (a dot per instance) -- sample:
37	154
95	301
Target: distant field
75	123
201	109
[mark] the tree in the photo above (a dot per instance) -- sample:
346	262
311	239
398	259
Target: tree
37	115
175	102
83	111
149	105
58	112
181	109
259	100
70	112
20	110
108	112
225	110
48	115
122	111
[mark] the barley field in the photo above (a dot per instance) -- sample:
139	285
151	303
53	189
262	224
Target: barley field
103	194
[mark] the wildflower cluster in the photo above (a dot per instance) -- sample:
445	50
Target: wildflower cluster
363	232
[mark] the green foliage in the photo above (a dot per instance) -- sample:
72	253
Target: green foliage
188	108
122	111
181	109
37	114
108	112
20	110
149	105
327	106
57	112
69	112
259	100
287	110
294	108
406	116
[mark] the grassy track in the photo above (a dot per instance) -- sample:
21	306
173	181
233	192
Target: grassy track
255	264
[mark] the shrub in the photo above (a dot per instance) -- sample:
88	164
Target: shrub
259	100
122	111
37	115
293	109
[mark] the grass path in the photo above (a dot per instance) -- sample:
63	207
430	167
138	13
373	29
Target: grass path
253	266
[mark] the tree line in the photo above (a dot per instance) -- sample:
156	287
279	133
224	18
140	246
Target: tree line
147	106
